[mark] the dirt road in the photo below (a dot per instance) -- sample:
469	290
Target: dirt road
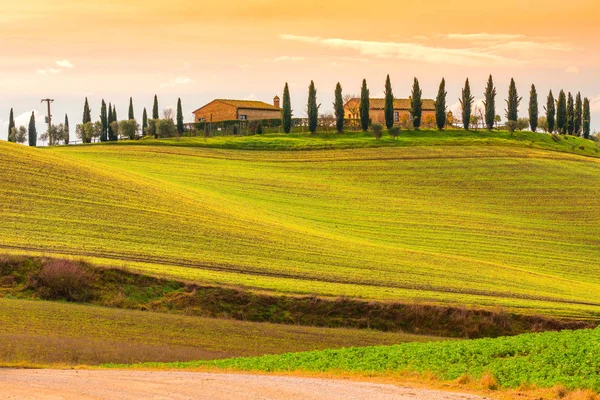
58	384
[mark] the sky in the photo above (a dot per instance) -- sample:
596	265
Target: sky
115	49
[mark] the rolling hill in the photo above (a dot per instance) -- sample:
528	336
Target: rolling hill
479	222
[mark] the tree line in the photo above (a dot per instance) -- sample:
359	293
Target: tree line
106	128
566	115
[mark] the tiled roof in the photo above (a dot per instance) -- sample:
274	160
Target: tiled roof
249	104
399	104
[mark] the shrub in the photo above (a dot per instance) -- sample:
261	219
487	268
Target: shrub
64	280
235	130
259	129
489	382
511	126
394	132
377	131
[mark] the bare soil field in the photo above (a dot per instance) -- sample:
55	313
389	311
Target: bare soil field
90	384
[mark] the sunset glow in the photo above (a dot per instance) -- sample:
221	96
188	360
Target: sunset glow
68	49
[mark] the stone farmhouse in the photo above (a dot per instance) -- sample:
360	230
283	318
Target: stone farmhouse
377	106
231	110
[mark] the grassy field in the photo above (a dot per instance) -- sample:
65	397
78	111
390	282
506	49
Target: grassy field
569	358
36	332
451	218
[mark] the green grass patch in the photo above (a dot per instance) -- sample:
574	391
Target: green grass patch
569	358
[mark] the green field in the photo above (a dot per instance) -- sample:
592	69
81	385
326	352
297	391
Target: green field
475	219
36	332
569	358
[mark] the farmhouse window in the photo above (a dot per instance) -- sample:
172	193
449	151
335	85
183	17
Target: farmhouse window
243	117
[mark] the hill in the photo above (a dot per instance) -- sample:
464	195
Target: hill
483	225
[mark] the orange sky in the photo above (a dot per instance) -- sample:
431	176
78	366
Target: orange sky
114	49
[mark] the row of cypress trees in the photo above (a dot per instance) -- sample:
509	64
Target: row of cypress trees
563	116
107	117
32	135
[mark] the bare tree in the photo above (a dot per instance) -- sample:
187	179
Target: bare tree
326	121
352	106
168	113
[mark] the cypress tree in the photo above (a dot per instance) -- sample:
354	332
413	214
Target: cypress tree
466	103
338	106
440	106
490	104
389	104
561	113
416	104
286	111
570	114
144	122
11	125
67	130
312	108
365	106
87	113
533	109
578	115
551	112
109	119
115	119
586	118
32	131
131	114
179	117
155	108
104	121
512	103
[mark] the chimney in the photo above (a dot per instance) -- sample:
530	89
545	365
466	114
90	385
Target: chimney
276	101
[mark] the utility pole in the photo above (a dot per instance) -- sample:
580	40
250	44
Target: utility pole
49	117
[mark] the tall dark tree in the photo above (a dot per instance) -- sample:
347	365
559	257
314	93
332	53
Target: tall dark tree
338	107
144	122
32	131
155	108
490	104
389	104
561	113
570	114
466	103
312	108
286	110
513	102
416	104
87	113
440	105
179	117
115	118
104	122
67	130
586	118
578	115
533	109
109	119
11	126
131	114
551	112
365	106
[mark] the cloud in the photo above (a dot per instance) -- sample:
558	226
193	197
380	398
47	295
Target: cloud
480	49
65	64
251	96
595	103
572	70
483	37
285	58
177	81
49	71
420	37
405	51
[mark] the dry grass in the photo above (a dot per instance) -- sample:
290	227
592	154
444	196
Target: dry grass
46	333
